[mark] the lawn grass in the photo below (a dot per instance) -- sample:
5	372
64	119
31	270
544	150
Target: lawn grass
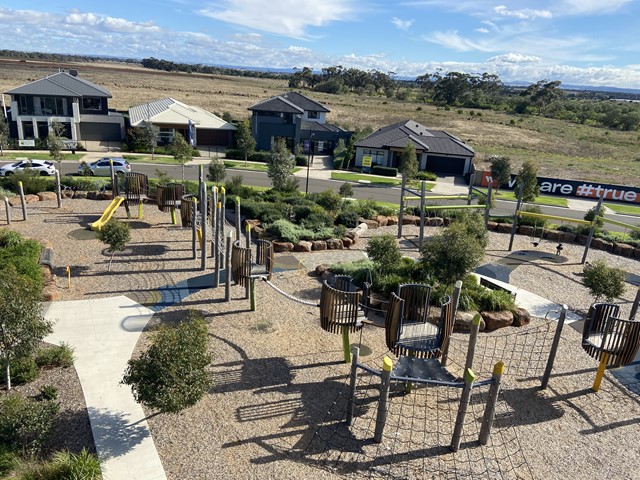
164	160
541	200
624	209
374	180
8	156
257	167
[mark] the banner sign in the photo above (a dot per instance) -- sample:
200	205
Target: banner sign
26	143
367	160
575	188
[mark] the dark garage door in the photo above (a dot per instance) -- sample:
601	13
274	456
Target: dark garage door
452	165
101	132
214	137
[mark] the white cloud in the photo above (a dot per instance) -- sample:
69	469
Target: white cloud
586	7
482	30
513	58
524	14
290	18
402	24
109	23
451	39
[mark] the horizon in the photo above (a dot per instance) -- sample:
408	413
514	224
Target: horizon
579	42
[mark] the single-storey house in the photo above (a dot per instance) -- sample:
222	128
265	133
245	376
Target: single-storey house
438	151
79	105
172	116
296	118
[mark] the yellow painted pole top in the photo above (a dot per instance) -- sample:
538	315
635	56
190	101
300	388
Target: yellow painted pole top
469	376
477	319
248	227
387	364
111	161
219	204
20	183
223	191
215	188
238	200
498	368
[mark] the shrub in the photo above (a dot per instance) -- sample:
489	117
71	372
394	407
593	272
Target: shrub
603	282
329	200
216	171
317	221
590	215
387	284
346	190
85	183
301	161
348	218
338	162
171	375
366	208
22	370
67	466
26	423
384	171
635	234
21	254
8	460
495	300
115	234
534	222
385	253
360	271
473	225
429	176
48	392
32	182
55	356
235	188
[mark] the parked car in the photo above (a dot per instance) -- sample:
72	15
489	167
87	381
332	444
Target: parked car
43	167
101	167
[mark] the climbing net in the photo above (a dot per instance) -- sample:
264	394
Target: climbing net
419	425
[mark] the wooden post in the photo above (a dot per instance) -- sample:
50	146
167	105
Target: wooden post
473	340
353	379
238	218
252	293
456	299
22	201
58	189
470	194
601	369
401	213
174	219
69	277
383	403
634	307
223	213
248	245
227	267
490	409
469	378
423	193
345	344
554	348
6	207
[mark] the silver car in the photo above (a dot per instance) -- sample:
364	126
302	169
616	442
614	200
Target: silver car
43	167
102	167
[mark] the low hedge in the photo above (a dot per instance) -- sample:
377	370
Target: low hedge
385	171
235	154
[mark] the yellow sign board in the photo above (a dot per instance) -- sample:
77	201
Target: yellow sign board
367	160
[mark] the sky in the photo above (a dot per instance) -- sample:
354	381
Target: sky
579	42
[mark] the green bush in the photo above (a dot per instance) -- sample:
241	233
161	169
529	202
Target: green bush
32	182
236	188
534	222
329	200
384	171
495	301
317	221
86	183
26	423
385	253
9	238
301	161
366	208
236	154
360	271
590	215
8	460
346	190
55	356
603	282
22	254
338	162
348	218
23	370
387	284
67	466
428	176
48	392
285	230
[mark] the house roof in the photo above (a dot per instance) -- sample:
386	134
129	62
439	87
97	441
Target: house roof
169	111
319	127
289	102
423	138
61	84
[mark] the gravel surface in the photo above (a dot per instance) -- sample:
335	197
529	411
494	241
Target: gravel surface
279	378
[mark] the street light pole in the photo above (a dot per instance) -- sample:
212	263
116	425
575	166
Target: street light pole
306	190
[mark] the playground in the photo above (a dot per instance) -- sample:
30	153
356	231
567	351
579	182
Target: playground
281	385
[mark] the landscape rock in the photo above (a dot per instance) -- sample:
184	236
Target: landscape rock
601	244
92	195
80	194
44	196
327	276
280	247
622	249
371	224
67	193
581	239
334	244
464	319
636	252
303	246
553	235
319	245
491	225
392	220
434	222
30	198
323	267
447	221
504	228
495	320
347	242
525	230
382	220
50	293
105	196
377	301
411	220
521	317
569	237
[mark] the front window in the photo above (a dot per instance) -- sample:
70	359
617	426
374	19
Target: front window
165	136
22	104
52	106
377	156
27	130
90	103
312	114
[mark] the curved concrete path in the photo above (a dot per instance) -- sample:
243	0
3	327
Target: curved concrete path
104	333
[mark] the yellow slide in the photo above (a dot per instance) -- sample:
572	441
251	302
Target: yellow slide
108	213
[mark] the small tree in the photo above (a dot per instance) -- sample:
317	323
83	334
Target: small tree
171	375
217	171
591	214
115	234
244	140
280	164
147	135
22	326
182	151
346	190
4	134
409	161
603	282
385	252
528	178
55	141
500	169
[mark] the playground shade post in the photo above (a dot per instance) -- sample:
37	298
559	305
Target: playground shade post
22	201
469	378
353	380
490	409
383	402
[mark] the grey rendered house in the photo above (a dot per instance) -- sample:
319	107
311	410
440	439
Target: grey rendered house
79	105
438	151
296	118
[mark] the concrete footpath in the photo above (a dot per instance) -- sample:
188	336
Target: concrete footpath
103	333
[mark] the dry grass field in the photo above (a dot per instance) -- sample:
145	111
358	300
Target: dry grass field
561	149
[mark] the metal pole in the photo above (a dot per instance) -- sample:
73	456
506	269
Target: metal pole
473	340
248	245
22	201
514	225
554	348
383	403
490	409
227	267
223	213
487	207
353	380
634	307
112	173
217	260
456	298
194	233
423	193
469	378
214	218
592	230
58	189
401	213
204	206
6	206
470	190
238	218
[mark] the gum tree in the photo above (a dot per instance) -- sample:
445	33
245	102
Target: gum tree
55	141
182	151
280	165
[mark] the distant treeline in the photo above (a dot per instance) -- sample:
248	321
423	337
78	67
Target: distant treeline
169	66
62	57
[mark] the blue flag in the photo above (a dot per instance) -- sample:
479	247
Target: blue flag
190	133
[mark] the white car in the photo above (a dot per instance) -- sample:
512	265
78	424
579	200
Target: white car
43	167
102	167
